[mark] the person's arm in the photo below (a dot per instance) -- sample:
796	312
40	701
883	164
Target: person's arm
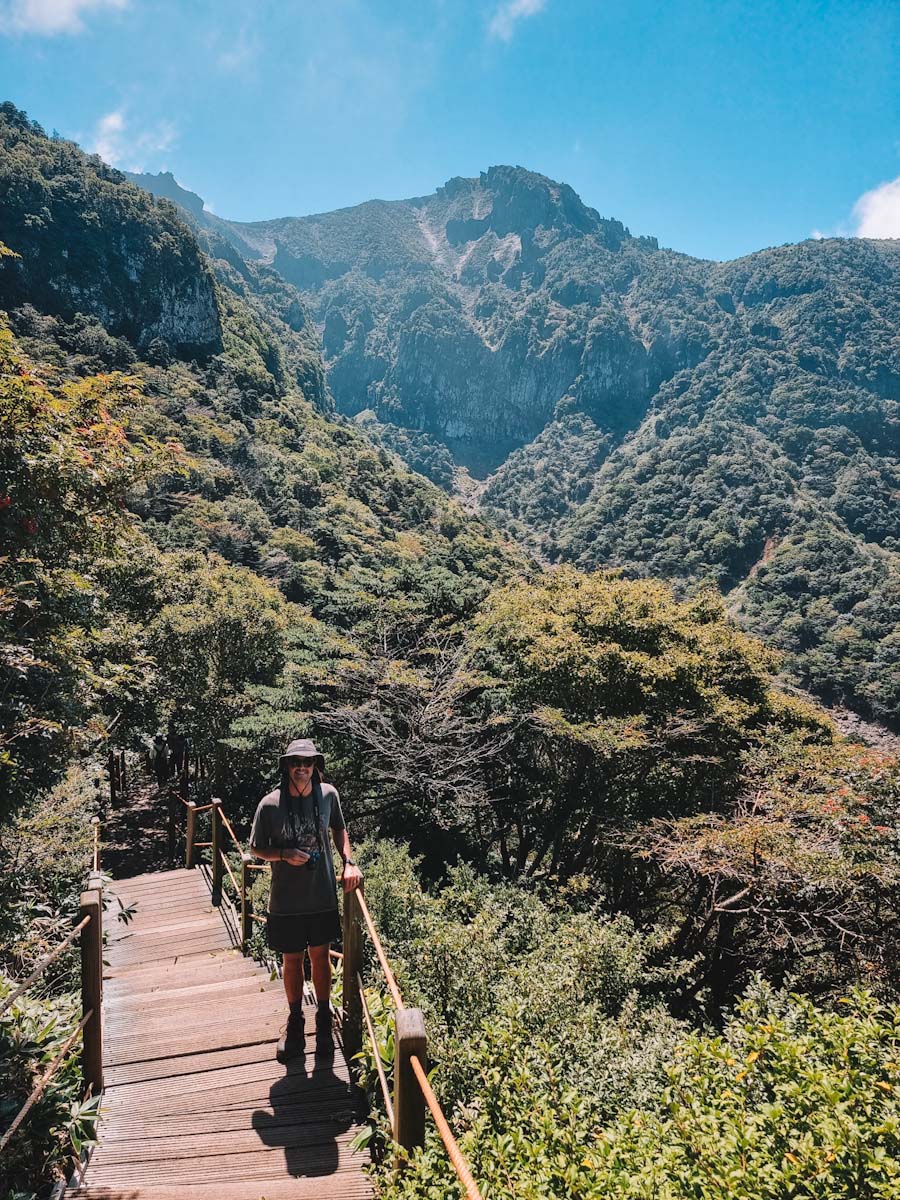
352	876
260	838
297	858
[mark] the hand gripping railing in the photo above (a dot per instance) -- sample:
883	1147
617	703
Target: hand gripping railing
90	929
412	1091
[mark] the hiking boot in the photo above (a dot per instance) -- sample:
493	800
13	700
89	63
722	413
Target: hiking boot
293	1041
324	1036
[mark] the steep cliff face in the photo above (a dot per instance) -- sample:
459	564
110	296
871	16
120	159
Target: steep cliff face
87	242
454	314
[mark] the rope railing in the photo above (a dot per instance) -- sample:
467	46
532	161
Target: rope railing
43	1081
456	1156
412	1091
382	1078
90	929
230	828
43	964
379	950
237	886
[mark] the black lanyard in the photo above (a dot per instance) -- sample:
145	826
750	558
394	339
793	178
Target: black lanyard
316	814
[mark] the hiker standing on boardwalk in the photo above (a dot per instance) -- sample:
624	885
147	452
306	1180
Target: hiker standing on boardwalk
290	832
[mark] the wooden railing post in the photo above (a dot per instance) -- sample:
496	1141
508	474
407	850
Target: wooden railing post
352	1023
92	988
123	780
171	802
190	833
409	1103
217	872
246	904
111	768
95	857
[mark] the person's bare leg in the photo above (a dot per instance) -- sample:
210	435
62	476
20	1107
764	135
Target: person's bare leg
320	961
291	1043
321	973
292	972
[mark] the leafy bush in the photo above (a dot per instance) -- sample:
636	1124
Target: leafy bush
790	1101
62	1122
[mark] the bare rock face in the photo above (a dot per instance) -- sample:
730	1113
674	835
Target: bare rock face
456	314
86	241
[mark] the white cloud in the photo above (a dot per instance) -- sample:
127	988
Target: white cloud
51	16
877	213
239	53
121	145
504	21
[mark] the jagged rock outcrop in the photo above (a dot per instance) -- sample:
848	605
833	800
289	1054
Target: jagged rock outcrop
147	281
453	314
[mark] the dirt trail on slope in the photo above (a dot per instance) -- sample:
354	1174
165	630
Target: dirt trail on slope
134	838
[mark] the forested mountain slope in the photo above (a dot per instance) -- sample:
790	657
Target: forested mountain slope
610	820
231	451
728	422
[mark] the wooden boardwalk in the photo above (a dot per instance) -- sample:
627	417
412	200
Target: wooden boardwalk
195	1103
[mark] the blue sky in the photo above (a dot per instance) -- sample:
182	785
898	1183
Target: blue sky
720	127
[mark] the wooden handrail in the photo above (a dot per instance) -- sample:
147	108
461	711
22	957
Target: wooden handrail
43	1081
382	1078
406	1120
237	886
379	950
228	826
44	964
456	1156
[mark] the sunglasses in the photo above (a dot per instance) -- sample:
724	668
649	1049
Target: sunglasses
300	762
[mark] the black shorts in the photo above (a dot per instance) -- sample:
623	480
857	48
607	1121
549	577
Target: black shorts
291	935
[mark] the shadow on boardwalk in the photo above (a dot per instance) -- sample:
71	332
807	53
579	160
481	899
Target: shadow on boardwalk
307	1113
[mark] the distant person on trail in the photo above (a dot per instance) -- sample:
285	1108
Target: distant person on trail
290	832
159	756
177	745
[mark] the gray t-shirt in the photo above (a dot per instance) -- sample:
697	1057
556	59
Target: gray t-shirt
297	891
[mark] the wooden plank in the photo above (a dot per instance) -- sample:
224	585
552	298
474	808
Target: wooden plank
336	1187
188	1064
177	923
167	954
220	991
141	1046
264	1131
274	1163
134	972
254	1093
244	1009
143	939
340	1106
299	1075
161	881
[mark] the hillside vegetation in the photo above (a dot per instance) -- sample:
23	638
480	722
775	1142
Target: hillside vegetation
593	821
728	423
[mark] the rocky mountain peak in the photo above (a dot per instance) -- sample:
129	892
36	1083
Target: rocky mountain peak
508	200
165	184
